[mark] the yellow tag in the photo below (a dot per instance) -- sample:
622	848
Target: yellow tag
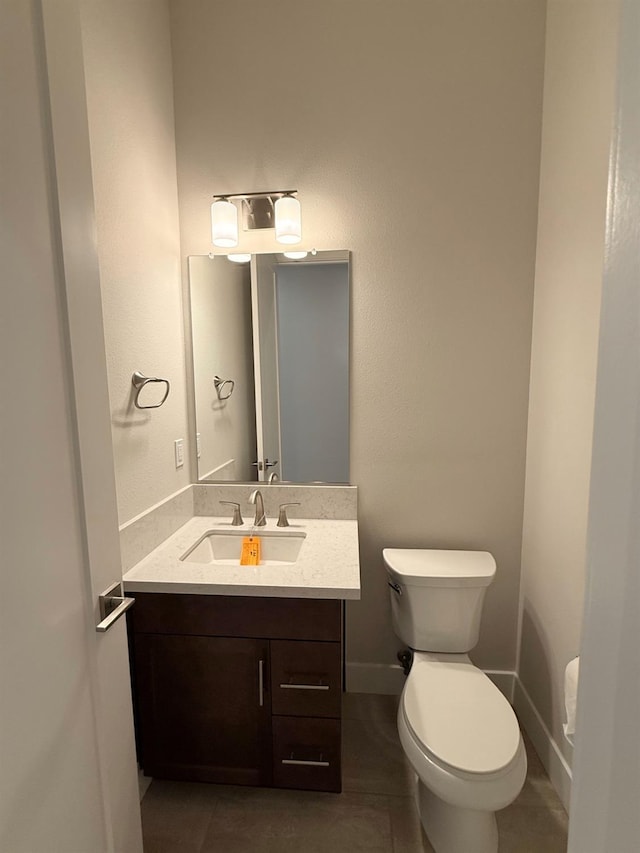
250	554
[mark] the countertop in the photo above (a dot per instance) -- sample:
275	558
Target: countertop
328	565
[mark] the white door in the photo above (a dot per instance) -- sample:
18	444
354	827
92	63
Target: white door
265	350
69	777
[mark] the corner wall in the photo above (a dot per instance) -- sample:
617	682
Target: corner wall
411	131
131	123
576	135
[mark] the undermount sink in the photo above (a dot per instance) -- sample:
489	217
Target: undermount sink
223	547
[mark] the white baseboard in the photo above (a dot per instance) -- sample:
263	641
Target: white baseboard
504	680
554	761
374	678
389	679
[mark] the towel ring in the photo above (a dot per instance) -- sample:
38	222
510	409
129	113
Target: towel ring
219	386
139	381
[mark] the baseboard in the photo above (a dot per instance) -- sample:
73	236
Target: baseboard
389	679
552	758
504	680
374	678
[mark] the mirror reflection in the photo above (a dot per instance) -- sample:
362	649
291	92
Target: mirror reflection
270	350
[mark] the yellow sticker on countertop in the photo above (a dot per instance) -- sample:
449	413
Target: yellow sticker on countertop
250	554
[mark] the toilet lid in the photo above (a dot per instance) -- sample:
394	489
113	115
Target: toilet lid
460	716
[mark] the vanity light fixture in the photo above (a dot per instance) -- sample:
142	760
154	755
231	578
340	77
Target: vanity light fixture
239	258
279	210
224	223
288	220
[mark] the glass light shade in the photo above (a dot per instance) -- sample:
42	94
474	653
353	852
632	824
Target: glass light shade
288	222
224	224
240	258
295	256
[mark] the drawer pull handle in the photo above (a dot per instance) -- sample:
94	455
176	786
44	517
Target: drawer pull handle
305	763
304	686
261	682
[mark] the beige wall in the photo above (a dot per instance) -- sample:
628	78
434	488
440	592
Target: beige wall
577	121
411	131
130	100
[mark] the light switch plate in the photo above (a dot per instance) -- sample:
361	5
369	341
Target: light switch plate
198	448
178	445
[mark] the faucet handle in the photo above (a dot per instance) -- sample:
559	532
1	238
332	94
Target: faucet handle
237	515
283	521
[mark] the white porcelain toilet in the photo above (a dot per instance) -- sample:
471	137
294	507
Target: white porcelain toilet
457	729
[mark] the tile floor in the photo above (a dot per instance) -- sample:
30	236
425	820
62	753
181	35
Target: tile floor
375	812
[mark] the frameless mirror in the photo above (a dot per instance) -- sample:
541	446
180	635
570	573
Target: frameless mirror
270	356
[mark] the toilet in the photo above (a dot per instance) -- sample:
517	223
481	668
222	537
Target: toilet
457	729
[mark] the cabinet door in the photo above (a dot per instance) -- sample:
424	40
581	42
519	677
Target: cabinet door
203	708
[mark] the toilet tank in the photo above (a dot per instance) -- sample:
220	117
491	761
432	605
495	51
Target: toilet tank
437	596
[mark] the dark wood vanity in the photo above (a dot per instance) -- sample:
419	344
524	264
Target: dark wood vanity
238	689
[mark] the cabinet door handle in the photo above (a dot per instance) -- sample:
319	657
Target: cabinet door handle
261	681
304	686
305	763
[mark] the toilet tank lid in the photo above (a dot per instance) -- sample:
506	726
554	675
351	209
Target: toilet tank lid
428	567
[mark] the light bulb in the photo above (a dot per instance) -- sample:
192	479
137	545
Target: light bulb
288	224
224	224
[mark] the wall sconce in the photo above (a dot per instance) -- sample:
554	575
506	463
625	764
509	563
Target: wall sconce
279	210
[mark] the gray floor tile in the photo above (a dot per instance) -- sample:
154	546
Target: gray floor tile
406	830
532	830
538	792
271	821
175	816
372	759
369	706
376	813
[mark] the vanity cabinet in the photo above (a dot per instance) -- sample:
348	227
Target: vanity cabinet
238	690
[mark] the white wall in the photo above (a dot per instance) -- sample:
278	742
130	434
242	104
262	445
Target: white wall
412	134
577	123
130	101
220	294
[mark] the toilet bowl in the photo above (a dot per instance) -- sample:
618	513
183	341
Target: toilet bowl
456	728
462	739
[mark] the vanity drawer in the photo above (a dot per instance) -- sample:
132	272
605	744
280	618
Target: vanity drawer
236	616
306	753
305	678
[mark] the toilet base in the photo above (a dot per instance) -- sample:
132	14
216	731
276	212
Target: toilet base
451	829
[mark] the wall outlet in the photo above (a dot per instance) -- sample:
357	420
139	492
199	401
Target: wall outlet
178	446
198	448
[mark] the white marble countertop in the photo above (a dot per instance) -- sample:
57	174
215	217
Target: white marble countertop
328	565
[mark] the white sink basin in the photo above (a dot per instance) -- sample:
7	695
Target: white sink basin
223	547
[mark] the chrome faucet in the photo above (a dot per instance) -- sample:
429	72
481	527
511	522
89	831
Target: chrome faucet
272	478
256	498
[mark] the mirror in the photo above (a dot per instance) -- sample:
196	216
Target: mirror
270	358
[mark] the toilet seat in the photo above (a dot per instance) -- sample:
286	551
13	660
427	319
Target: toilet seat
459	718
